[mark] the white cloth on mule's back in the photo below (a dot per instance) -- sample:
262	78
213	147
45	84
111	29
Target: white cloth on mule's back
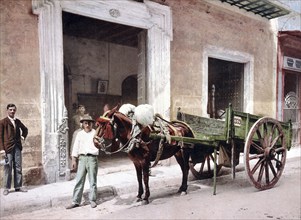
144	114
127	109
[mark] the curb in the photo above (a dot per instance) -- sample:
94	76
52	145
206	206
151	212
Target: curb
60	194
18	206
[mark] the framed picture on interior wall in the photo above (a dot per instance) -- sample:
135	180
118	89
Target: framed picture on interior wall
102	86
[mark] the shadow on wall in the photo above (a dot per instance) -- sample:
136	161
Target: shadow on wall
34	176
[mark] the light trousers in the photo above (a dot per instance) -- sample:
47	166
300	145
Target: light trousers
86	165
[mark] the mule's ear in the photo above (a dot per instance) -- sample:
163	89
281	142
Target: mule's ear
116	107
112	111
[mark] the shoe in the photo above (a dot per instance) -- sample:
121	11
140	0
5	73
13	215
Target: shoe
93	204
5	192
21	190
72	206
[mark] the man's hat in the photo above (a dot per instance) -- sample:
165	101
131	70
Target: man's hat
86	118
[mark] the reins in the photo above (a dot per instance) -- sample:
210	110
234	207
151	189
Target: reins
120	149
124	148
133	140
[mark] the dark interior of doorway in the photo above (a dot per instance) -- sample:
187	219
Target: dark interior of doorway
291	94
228	79
129	90
85	27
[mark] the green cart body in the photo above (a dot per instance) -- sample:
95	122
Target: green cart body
264	142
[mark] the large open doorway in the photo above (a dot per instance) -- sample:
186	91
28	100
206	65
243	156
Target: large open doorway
154	18
100	65
97	53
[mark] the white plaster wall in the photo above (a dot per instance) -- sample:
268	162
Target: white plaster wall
123	63
92	60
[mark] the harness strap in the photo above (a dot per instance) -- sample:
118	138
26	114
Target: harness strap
159	153
164	130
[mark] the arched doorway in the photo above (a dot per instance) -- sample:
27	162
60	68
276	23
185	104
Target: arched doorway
129	90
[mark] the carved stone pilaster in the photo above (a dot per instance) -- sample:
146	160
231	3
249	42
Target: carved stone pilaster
64	171
52	81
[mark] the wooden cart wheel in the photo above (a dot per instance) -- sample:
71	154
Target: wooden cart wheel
204	170
265	153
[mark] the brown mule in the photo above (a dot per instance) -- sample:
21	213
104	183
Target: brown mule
114	134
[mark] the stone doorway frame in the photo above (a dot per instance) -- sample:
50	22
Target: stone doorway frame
211	51
153	17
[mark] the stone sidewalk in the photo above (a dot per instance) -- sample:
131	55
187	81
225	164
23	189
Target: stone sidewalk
112	181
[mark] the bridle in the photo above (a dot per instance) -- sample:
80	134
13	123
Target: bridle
103	142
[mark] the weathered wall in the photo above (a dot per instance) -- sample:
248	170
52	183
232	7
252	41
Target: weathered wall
20	79
92	60
197	24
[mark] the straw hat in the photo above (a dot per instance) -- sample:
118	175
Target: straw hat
87	118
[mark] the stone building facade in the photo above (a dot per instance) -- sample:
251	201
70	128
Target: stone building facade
182	44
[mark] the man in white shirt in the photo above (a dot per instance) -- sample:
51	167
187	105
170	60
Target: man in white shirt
84	160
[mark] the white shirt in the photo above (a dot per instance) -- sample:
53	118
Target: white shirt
84	144
12	121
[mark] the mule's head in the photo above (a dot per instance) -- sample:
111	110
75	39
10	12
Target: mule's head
104	134
113	130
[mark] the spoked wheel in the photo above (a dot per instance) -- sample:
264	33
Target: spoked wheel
204	169
265	153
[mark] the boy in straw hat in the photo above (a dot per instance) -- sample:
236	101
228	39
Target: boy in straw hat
84	160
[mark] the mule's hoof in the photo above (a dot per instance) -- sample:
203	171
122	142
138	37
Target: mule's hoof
183	193
139	200
144	202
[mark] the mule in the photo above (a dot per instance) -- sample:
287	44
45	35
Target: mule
115	132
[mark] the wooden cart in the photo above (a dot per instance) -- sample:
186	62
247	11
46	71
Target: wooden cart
263	141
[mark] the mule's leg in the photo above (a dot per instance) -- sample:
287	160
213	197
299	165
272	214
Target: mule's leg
182	158
146	169
138	168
